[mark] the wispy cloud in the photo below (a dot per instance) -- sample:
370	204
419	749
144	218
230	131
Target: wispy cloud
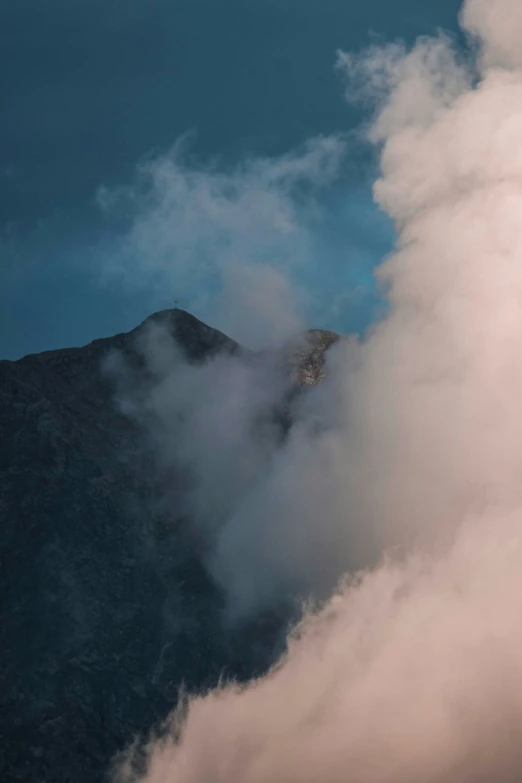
409	452
229	240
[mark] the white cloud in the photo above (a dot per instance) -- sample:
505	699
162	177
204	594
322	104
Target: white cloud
412	672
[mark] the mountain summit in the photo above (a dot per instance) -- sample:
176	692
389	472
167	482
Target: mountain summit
107	609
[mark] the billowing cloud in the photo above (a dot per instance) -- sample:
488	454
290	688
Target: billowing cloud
411	451
411	673
497	28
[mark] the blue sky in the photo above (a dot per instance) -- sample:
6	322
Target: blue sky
92	87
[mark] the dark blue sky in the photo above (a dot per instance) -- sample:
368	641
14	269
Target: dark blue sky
89	87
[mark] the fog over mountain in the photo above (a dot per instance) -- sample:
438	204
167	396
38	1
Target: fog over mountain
404	473
296	560
108	606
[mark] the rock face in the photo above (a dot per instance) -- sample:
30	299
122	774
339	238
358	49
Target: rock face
106	610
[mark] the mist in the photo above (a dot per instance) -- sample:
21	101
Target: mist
401	478
235	239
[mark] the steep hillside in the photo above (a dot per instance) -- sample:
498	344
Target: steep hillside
106	608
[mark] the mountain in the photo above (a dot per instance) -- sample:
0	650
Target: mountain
106	607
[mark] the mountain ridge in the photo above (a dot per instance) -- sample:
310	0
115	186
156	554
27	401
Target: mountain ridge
107	609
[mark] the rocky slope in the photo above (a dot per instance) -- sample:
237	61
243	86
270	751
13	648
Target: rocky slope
106	608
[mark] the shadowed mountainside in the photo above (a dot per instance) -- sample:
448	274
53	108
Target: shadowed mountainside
106	608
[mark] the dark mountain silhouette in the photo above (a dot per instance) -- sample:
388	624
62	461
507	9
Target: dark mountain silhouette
99	632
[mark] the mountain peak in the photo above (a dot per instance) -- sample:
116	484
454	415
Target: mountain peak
97	558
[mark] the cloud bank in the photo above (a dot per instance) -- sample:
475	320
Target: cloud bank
411	453
412	673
